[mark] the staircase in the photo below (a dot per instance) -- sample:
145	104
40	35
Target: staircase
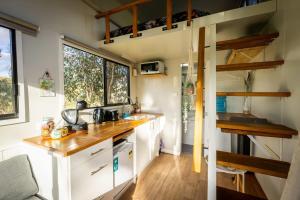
248	124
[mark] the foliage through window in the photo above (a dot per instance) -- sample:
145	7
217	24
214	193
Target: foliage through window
85	75
8	74
117	83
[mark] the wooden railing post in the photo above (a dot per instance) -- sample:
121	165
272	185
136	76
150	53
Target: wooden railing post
169	14
198	131
134	21
189	12
107	29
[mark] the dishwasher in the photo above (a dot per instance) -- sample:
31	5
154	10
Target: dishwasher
123	162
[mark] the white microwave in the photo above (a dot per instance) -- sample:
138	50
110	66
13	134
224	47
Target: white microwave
153	67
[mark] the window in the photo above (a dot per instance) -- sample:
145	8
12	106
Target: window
117	83
98	81
8	74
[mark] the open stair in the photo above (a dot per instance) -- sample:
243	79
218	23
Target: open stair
255	94
245	124
253	164
244	50
247	42
249	66
225	194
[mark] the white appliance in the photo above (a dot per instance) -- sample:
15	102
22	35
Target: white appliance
123	163
153	67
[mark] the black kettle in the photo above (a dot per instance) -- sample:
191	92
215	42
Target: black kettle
98	115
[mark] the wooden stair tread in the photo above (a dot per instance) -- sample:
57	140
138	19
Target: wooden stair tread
268	129
255	94
225	194
253	164
249	66
247	42
252	125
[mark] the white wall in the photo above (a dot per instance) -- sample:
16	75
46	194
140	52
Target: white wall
56	17
163	95
285	110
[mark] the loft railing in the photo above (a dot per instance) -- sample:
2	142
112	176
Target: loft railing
134	7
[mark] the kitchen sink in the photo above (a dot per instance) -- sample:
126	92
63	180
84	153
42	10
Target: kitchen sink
140	117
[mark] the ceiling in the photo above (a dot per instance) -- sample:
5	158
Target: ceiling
158	47
157	8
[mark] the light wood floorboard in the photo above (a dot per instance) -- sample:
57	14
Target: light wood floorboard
170	177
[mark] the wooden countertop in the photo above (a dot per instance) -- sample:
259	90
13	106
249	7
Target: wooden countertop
80	140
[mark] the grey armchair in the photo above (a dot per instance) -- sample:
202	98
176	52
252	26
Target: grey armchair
17	181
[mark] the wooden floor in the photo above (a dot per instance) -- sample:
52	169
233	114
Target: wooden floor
171	178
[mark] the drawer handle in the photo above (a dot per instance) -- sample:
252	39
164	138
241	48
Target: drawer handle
94	153
98	170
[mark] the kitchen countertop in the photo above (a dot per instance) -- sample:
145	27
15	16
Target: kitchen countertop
80	140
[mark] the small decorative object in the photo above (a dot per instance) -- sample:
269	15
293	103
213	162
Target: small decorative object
248	81
47	87
189	88
47	126
56	134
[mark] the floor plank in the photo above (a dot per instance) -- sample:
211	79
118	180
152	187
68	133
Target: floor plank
170	177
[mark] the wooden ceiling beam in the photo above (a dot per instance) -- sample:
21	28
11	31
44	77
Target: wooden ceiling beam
121	8
94	7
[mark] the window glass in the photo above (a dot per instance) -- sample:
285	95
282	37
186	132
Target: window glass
83	77
8	77
117	83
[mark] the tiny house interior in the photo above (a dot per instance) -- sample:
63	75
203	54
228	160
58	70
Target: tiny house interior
149	99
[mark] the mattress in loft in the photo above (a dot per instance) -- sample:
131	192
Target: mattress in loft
178	17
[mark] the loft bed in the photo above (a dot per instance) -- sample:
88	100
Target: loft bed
172	23
177	17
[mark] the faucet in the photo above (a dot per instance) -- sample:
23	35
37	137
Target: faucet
130	103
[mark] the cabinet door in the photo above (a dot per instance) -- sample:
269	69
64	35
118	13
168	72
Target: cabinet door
142	147
92	178
156	137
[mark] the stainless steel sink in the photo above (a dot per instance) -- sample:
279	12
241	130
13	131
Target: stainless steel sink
140	117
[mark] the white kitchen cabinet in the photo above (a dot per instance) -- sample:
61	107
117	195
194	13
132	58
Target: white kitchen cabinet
92	178
85	175
143	153
147	143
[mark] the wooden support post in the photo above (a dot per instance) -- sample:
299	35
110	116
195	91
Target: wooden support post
198	132
169	14
107	29
189	12
134	21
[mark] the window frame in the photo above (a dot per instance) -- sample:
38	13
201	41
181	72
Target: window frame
105	84
14	63
105	59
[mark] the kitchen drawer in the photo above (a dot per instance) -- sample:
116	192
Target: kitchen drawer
89	153
93	178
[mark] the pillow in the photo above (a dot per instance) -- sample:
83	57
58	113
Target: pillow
291	189
16	179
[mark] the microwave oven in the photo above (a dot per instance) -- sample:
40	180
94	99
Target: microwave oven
153	67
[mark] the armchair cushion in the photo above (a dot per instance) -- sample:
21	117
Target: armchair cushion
16	179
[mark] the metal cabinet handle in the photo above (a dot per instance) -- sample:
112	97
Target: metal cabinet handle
98	170
94	153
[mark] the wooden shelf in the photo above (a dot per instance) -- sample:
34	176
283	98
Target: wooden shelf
247	42
225	194
253	164
255	94
249	66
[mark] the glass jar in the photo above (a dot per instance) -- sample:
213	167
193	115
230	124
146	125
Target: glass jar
47	126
